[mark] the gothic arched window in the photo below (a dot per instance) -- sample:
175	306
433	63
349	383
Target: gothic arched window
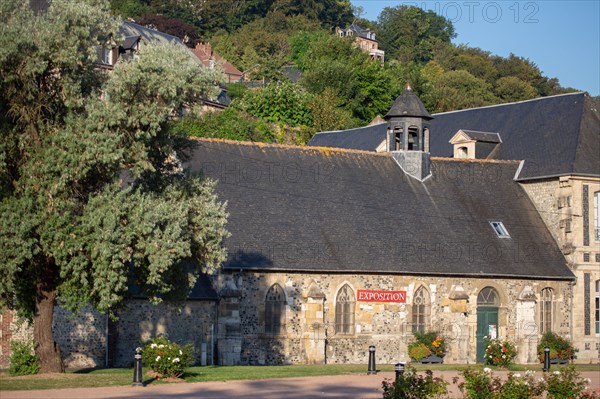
420	310
344	310
275	310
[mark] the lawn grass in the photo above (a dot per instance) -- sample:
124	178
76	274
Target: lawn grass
124	377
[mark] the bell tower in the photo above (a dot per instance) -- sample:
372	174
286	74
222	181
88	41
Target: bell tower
408	134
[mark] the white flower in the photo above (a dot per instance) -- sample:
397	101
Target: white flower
161	346
517	375
529	373
180	352
526	383
176	360
157	358
556	373
153	345
491	356
487	369
138	349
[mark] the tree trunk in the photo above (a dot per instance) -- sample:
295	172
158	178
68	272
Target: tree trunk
46	349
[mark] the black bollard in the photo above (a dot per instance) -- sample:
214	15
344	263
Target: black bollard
546	359
137	369
399	367
372	367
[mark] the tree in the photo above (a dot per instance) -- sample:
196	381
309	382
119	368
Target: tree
511	88
72	232
408	33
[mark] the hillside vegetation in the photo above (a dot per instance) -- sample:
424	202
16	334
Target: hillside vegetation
340	86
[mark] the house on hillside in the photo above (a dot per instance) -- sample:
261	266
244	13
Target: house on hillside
211	59
364	39
557	139
133	35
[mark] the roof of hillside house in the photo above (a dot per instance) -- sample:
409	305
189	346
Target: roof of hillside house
206	55
307	209
132	30
362	32
557	135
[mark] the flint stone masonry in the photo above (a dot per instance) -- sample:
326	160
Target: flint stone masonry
309	335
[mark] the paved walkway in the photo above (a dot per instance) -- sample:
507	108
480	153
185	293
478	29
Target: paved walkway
340	387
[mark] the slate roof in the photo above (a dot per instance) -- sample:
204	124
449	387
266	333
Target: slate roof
408	104
483	136
557	135
365	138
130	29
319	210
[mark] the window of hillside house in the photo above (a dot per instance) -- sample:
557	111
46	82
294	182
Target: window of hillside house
546	310
420	310
275	310
344	310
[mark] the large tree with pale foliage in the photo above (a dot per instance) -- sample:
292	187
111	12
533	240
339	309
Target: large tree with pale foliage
76	228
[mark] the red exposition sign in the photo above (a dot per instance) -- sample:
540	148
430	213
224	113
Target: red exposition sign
381	296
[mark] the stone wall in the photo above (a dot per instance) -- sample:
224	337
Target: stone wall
566	206
310	335
141	321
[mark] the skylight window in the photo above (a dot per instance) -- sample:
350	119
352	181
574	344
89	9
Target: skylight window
500	229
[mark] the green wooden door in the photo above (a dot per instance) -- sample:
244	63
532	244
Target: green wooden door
487	319
487	326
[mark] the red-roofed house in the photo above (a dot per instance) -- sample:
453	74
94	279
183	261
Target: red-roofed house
209	58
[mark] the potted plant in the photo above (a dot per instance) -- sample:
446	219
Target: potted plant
561	349
499	353
428	347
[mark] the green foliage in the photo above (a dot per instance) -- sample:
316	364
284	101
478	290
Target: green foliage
263	46
23	360
511	88
499	353
565	384
411	385
361	85
279	103
427	343
560	348
68	131
484	385
165	358
408	33
230	124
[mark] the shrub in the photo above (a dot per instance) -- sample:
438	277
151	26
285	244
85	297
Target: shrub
565	383
484	385
23	361
560	348
166	359
411	385
499	353
429	343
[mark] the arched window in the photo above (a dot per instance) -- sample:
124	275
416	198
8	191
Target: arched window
546	310
275	310
413	139
420	310
344	310
488	297
463	152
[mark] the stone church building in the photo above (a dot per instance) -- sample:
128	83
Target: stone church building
472	223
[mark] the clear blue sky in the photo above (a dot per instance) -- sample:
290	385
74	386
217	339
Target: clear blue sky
561	37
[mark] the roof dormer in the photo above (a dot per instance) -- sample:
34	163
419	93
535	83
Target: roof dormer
471	144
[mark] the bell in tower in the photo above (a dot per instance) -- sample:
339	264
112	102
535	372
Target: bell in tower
408	134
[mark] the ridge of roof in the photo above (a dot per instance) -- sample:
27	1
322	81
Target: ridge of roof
340	151
511	103
354	128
